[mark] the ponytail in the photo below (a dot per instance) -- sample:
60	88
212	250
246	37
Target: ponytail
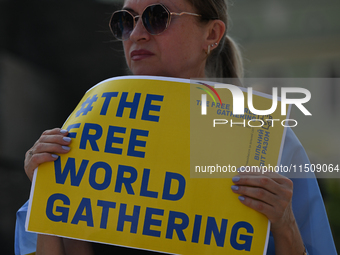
225	61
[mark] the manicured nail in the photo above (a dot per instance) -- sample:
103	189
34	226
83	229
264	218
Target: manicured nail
241	198
66	148
55	156
234	187
67	139
63	131
235	179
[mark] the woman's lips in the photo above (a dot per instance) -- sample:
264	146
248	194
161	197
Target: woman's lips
140	54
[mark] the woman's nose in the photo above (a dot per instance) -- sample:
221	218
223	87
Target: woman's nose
139	32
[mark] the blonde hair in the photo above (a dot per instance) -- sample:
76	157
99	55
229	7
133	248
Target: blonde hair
225	61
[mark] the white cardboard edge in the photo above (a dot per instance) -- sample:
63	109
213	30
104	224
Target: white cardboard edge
267	239
161	78
30	199
284	136
142	77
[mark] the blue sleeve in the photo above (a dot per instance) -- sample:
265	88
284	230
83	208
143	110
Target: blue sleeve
308	206
25	242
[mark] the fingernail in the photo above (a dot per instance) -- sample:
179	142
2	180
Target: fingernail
67	139
235	179
234	187
241	198
66	148
63	131
55	156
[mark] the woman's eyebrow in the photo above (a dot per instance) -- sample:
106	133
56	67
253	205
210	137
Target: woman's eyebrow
128	9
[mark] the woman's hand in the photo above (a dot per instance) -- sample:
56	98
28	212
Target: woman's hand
268	193
50	143
271	194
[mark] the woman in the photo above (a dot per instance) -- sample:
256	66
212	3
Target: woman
194	45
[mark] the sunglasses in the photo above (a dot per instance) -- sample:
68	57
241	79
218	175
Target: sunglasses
155	18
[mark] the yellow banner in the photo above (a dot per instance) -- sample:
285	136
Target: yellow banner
138	144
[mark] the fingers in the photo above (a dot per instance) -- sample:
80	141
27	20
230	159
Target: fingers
267	193
35	161
54	144
272	182
259	206
46	148
271	174
257	193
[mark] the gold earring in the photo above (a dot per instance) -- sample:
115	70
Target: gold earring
209	49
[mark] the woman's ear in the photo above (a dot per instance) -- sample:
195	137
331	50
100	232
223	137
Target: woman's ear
215	32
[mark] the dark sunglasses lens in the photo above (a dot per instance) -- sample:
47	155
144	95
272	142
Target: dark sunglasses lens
155	19
122	25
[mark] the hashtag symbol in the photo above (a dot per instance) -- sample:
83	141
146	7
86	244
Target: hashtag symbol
87	106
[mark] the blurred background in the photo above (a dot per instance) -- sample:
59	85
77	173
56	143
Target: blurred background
51	52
